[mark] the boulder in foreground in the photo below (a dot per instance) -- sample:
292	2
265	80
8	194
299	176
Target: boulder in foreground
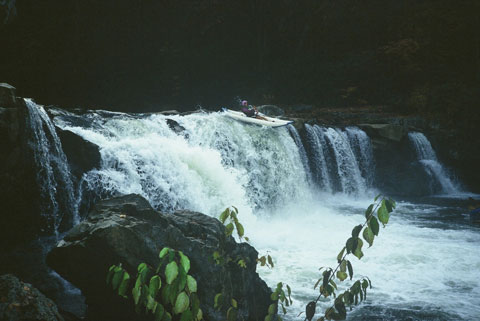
127	230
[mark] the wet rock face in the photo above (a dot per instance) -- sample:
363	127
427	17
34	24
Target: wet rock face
19	219
82	155
21	302
7	95
127	230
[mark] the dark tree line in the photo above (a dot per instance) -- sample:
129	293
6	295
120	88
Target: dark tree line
418	56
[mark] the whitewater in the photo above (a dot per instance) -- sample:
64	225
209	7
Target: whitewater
424	265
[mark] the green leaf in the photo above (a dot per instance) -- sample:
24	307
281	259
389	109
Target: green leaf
110	273
141	267
341	275
390	205
376	197
117	277
194	303
368	235
272	308
136	292
224	215
234	303
351	244
184	261
174	291
122	290
159	312
369	210
365	284
229	229
374	226
242	263
358	251
167	316
186	316
163	252
343	266
240	229
143	272
356	231
154	286
182	278
262	260
218	300
191	284
350	269
199	314
333	284
171	271
326	277
274	296
181	303
340	255
231	314
270	261
150	303
383	214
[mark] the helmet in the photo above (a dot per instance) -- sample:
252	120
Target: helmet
244	103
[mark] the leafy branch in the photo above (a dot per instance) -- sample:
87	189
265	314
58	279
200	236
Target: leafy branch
358	291
165	291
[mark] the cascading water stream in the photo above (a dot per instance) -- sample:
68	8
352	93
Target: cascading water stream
53	176
301	150
318	147
218	162
428	158
342	160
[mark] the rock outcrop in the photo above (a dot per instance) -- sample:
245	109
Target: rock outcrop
19	219
20	301
82	155
127	230
7	95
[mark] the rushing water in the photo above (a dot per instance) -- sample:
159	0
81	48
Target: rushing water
428	158
53	175
424	264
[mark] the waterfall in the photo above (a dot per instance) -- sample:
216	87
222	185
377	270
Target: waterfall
217	162
362	149
53	176
316	141
341	159
301	150
428	158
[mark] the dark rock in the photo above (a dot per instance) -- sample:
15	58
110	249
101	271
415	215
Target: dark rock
19	220
7	95
127	230
271	110
176	127
390	132
82	155
20	301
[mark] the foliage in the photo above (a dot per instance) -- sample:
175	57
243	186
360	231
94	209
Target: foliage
278	296
168	292
357	292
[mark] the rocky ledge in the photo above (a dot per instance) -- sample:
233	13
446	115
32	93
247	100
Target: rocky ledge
22	302
127	230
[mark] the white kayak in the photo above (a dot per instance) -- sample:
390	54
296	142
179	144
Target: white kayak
270	121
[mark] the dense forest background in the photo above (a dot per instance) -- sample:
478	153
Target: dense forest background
415	56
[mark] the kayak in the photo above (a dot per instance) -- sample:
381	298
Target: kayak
270	121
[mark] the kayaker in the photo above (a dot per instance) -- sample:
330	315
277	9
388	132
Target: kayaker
251	111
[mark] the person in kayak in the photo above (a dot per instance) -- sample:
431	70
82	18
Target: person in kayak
251	111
